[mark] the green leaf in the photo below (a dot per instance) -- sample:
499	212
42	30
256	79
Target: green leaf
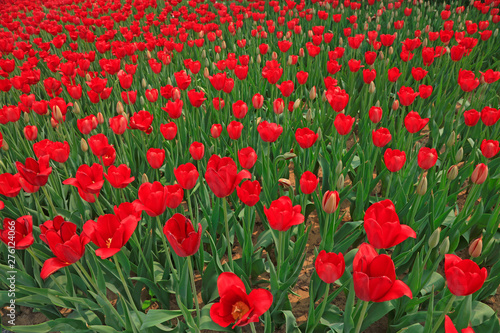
291	322
155	317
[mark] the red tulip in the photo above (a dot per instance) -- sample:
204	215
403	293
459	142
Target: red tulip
119	177
249	192
414	123
278	106
489	148
305	137
30	132
218	81
282	215
186	175
152	199
197	150
374	277
235	306
407	95
9	185
222	175
302	77
479	174
489	115
183	79
471	117
427	157
169	131
330	201
467	80
272	71
464	277
393	74
216	130
424	91
155	157
174	109
88	180
240	109
382	226
381	137
354	65
418	73
67	246
308	182
118	124
151	95
343	124
234	129
17	234
329	266
110	233
337	98
98	144
375	114
269	132
247	157
174	194
257	101
370	57
490	75
286	88
35	172
394	159
180	233
196	98
369	75
450	328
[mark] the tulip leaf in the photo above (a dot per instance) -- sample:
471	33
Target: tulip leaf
415	328
291	322
155	317
375	312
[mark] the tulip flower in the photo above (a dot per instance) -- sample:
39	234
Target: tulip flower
35	172
479	174
282	215
269	132
197	150
305	137
234	129
337	98
119	177
427	157
489	148
155	157
490	116
186	175
110	233
450	328
222	175
471	117
381	223
249	192
343	124
329	266
407	95
308	182
152	199
393	74
18	233
247	157
394	159
374	276
235	305
330	202
174	109
375	114
88	180
180	233
183	79
463	277
169	131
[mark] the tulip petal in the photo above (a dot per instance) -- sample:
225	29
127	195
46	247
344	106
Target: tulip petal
105	252
398	289
50	266
361	285
260	300
448	325
227	282
215	315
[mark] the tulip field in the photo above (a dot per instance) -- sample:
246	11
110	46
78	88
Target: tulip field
297	166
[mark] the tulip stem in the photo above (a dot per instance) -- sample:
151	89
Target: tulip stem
193	287
125	286
98	204
445	312
361	317
51	204
252	327
167	250
188	198
229	247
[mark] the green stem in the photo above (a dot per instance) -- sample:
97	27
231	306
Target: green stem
122	278
229	246
193	287
252	327
188	198
167	250
49	199
99	207
445	312
361	317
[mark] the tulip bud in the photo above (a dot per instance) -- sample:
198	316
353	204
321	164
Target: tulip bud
309	116
203	54
330	202
26	117
320	134
391	50
144	178
119	108
381	55
296	104
451	140
310	34
176	94
341	41
285	184
434	239
422	186
148	54
88	77
259	60
53	122
58	114
83	145
76	108
339	167
223	45
459	155
371	88
395	105
323	97
312	93
479	174
100	118
289	62
206	74
274	56
495	33
5	147
445	246
340	182
169	81
142	101
476	247
452	172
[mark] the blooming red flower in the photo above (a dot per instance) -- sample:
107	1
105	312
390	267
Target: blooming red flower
489	148
450	328
374	276
240	109
98	144
180	233
381	137
9	185
142	121
329	266
169	130
427	157
414	123
394	159
216	130
464	277
471	117
155	157
308	182
424	91
467	80
343	124
369	75
222	175
152	199
247	157
249	192
302	77
354	65
305	137
186	175
197	150
282	215
119	177
235	306
234	129
67	246
286	88
269	132
35	172
196	98
418	73
110	233
406	95
272	71
174	109
118	124
183	79
337	98
375	114
393	74
88	180
490	116
17	233
257	101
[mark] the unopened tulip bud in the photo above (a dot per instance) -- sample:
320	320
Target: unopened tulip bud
76	108
479	174
495	33
26	117
144	84
341	41
289	61
445	246
330	202
142	101
309	116
320	134
422	186
274	56
476	247
203	54
301	52
310	34
53	122
323	97
388	25
459	155
452	173
381	55
366	26
201	34
206	73
5	147
259	60
217	57
339	167
296	104
371	88
285	184
312	93
83	145
100	118
88	77
144	178
378	25
395	105
119	108
223	45
434	239
176	94
148	54
58	114
340	182
391	50
451	140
